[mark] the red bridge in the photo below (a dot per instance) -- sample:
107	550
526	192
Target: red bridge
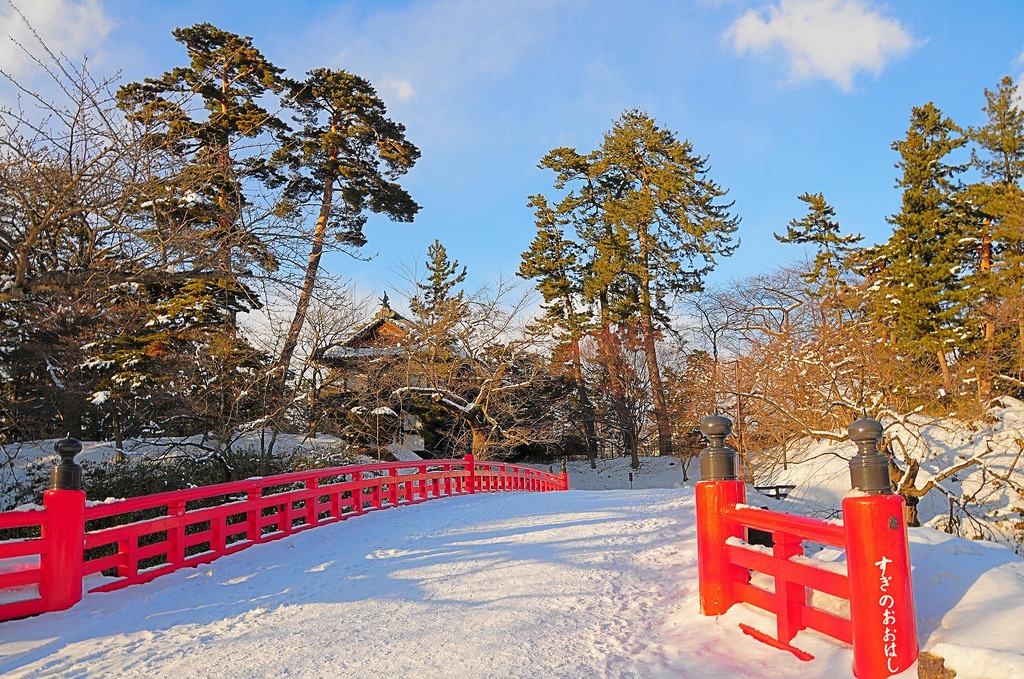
138	539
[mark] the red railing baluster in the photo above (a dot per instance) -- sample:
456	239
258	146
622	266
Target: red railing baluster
471	468
312	511
254	516
375	493
176	533
357	491
790	597
393	485
336	507
218	533
128	550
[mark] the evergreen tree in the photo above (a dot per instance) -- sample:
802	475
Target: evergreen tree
209	119
344	158
437	298
208	139
656	226
999	156
1001	138
553	261
921	268
600	263
440	312
831	261
820	228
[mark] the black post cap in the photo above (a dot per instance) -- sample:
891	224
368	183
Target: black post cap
717	461
869	469
68	474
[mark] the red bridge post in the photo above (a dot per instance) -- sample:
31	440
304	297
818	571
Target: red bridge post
878	563
717	489
471	468
60	584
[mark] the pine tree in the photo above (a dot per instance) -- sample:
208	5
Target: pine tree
437	297
820	228
344	158
999	156
656	225
209	120
1001	138
440	313
208	138
599	266
831	261
920	295
553	261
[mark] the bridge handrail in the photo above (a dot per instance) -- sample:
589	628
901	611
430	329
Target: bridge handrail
135	540
875	578
808	528
96	510
792	572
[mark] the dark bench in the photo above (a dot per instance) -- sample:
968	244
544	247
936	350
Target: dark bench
780	492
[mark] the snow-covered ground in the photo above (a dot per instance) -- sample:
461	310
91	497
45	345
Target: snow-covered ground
576	584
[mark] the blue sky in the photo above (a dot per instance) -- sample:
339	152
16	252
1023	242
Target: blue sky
784	96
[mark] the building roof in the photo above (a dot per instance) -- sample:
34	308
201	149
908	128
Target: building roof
380	337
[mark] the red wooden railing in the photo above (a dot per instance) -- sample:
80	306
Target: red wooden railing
138	539
875	579
792	577
24	561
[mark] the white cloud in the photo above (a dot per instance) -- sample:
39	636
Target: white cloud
458	39
831	39
436	51
66	27
402	89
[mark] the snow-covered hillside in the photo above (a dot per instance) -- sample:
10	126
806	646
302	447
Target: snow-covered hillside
977	470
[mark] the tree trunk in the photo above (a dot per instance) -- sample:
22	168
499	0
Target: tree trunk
947	378
291	340
119	454
586	406
630	438
657	392
609	342
910	513
661	420
1020	348
985	376
904	482
479	442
